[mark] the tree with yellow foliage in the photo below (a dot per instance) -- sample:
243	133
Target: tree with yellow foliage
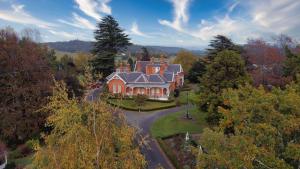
86	135
186	59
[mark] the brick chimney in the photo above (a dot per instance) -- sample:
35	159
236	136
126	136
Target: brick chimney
152	60
163	65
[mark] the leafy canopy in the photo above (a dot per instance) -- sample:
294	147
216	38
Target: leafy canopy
86	135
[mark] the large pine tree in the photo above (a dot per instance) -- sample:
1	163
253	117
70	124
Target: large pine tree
110	39
220	43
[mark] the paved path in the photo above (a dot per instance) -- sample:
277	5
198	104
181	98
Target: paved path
143	120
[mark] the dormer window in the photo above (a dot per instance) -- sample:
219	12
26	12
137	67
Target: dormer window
157	69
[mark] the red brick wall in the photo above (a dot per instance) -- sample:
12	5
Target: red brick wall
116	82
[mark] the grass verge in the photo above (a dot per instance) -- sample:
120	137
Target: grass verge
176	123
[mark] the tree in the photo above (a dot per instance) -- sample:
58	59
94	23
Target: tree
264	63
86	135
225	152
227	70
140	100
52	59
197	71
110	39
131	63
81	61
270	119
291	66
68	73
25	84
186	59
145	54
220	43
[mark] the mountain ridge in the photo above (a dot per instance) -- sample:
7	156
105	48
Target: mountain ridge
86	46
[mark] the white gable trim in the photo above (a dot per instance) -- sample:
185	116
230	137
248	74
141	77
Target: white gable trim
116	76
141	76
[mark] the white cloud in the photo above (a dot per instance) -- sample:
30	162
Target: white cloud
136	31
180	15
62	34
93	8
278	16
17	14
79	22
255	19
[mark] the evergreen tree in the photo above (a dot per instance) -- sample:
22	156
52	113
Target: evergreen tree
145	54
110	39
227	70
220	43
131	63
291	66
197	71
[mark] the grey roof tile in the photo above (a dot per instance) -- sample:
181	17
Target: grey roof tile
174	68
168	76
155	78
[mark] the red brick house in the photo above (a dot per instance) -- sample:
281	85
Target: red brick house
154	79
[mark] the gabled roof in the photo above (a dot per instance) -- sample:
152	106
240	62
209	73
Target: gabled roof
141	79
175	68
168	76
155	78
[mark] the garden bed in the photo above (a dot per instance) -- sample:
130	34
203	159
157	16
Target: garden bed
174	147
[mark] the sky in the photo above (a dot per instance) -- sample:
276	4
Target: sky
183	23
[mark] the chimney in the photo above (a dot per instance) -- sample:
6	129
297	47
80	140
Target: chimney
163	65
138	67
128	67
152	60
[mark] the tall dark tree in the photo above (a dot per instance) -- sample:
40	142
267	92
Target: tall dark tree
220	43
110	39
227	70
291	66
131	63
197	71
145	54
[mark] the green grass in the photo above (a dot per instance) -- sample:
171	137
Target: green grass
15	157
130	104
175	123
24	161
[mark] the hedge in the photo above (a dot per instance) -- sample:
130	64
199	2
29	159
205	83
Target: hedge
141	109
168	152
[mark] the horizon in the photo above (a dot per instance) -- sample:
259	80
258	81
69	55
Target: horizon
188	24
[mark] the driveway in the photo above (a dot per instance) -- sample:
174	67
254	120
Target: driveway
143	120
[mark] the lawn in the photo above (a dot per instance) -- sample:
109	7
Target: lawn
175	123
129	104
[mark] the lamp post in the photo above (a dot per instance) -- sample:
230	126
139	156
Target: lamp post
187	106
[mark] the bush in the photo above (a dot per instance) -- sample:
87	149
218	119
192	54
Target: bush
11	165
176	93
24	150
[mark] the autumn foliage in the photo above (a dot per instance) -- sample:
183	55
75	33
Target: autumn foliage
25	81
86	135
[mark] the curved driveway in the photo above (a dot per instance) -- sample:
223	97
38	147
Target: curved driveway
143	120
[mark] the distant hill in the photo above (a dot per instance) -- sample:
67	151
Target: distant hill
86	46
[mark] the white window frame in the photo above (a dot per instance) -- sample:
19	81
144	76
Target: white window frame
114	88
119	89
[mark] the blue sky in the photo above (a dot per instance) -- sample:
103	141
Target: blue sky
184	23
